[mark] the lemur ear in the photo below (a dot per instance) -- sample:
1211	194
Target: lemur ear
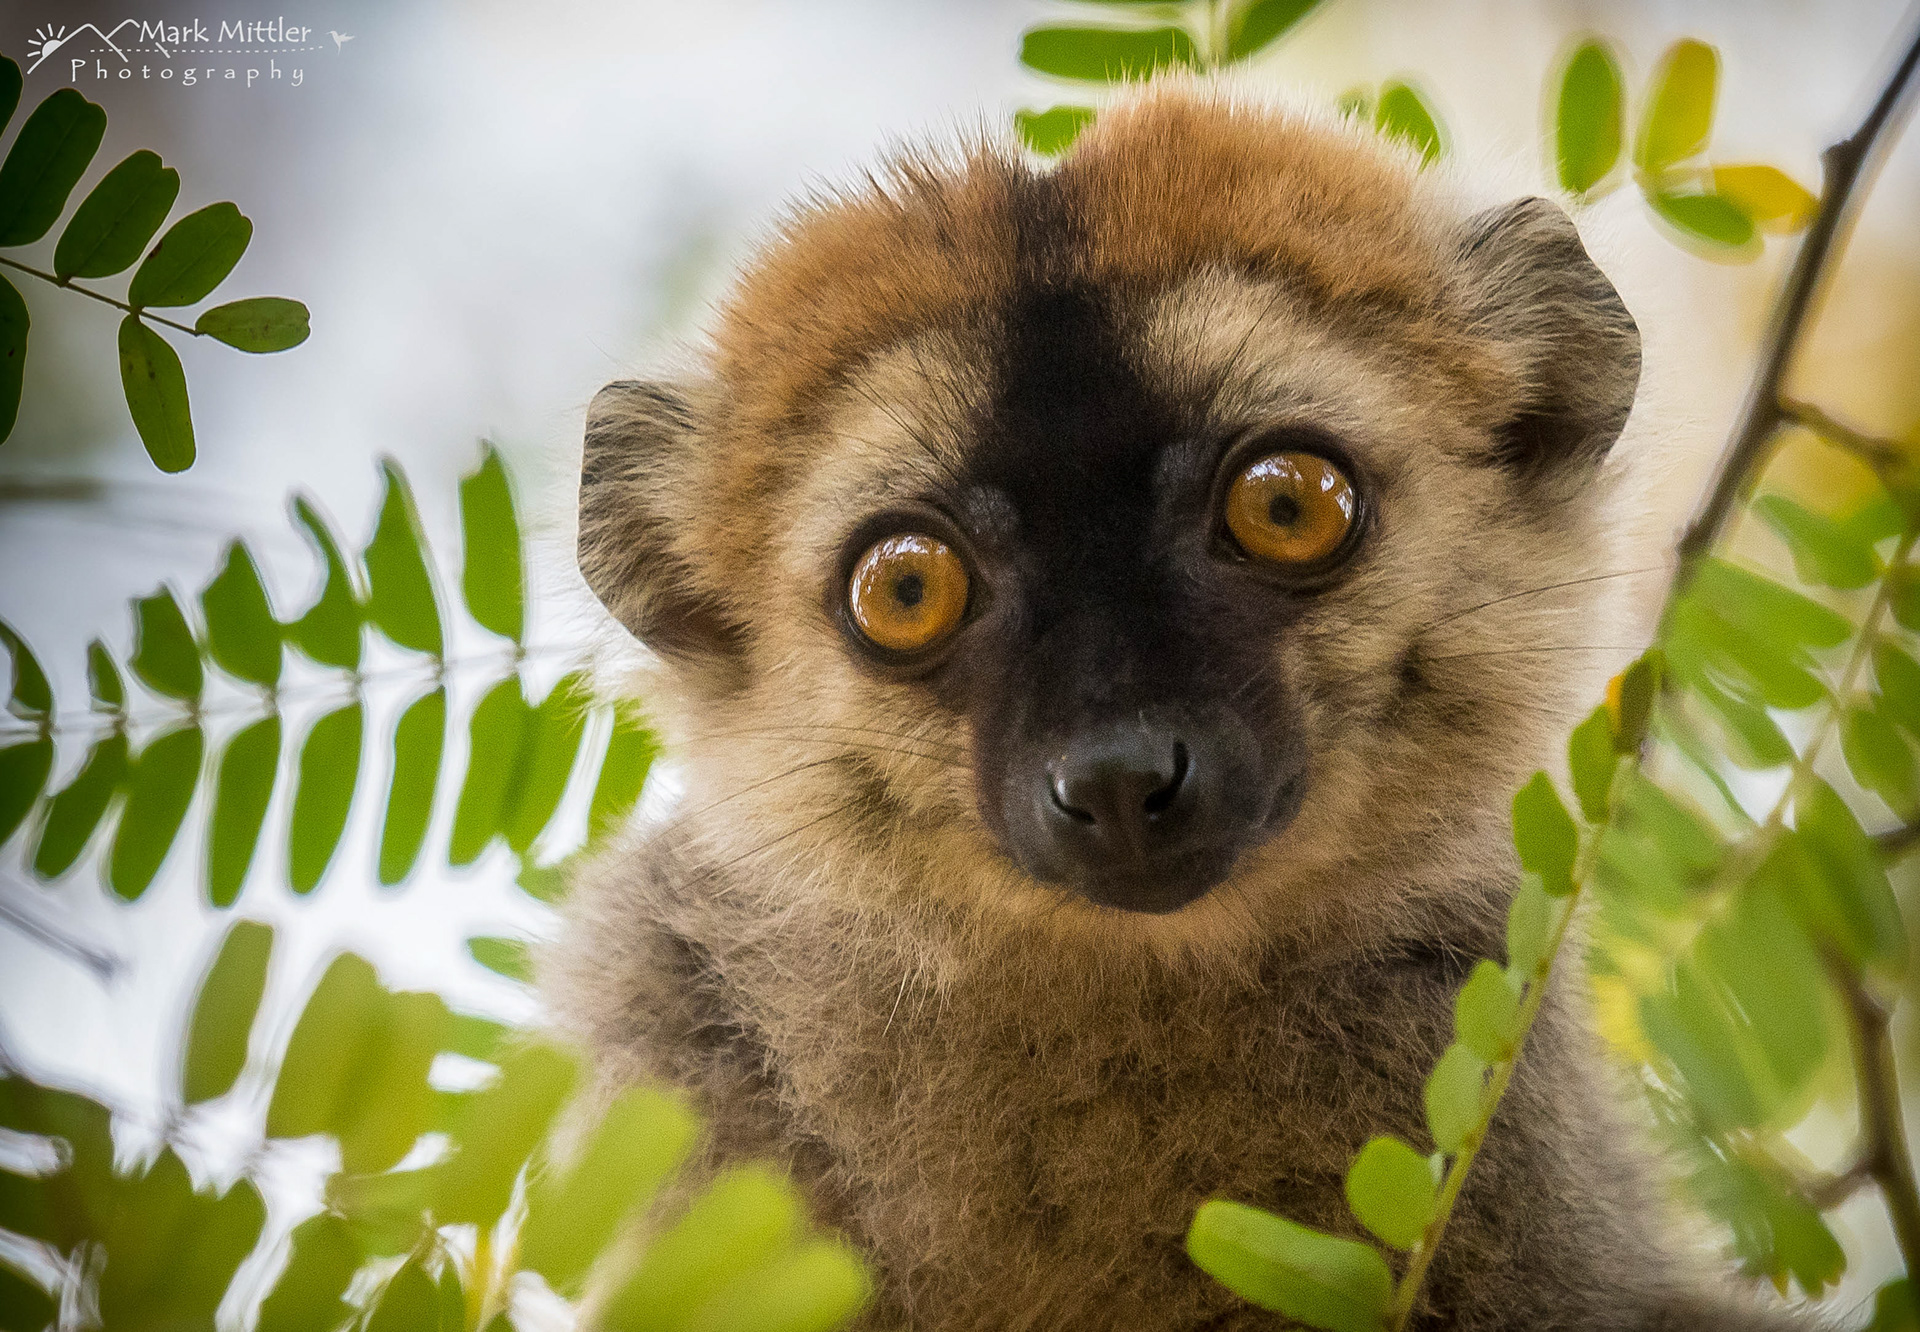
1535	291
642	439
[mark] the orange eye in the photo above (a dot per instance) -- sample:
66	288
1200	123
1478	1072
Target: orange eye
907	592
1290	508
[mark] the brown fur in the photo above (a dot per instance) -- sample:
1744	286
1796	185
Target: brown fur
1013	1099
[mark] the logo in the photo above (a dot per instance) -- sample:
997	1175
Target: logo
190	52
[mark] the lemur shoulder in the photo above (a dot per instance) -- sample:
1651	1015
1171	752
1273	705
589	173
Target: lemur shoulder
1079	595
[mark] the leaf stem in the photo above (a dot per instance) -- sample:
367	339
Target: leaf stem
1885	1155
1842	166
1880	453
68	283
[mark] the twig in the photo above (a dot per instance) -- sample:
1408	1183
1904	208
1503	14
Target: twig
1842	167
1881	453
139	311
1895	843
1884	1153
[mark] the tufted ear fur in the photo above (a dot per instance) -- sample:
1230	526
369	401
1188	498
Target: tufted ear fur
1563	328
640	445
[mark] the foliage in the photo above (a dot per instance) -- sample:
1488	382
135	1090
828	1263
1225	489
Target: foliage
123	211
441	1203
522	758
1719	210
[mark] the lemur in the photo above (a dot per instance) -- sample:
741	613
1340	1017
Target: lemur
1087	602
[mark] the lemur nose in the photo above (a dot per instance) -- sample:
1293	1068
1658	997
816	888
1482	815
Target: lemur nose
1117	795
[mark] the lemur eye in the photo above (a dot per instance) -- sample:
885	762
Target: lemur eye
907	592
1290	508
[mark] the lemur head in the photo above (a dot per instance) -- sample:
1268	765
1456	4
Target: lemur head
1152	539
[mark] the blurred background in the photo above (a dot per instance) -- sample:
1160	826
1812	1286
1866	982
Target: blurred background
494	208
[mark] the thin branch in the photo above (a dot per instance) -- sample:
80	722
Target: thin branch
1842	167
1880	453
140	311
1882	1125
1827	1192
1895	843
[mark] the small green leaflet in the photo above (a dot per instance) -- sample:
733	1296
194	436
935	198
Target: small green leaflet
258	324
1391	1189
1321	1280
1590	122
156	393
47	160
192	259
117	219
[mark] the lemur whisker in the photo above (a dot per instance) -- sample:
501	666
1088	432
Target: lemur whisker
770	843
776	732
1536	591
1525	651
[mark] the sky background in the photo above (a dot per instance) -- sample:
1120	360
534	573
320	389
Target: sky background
493	208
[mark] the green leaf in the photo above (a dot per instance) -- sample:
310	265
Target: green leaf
387	1213
407	1303
1679	111
248	770
1630	700
506	957
1754	665
1261	22
1486	1011
1313	1278
388	1103
1897	679
48	159
400	597
419	738
1402	114
165	657
1052	132
243	638
1692	1029
171	1253
1903	596
1843	891
1823	550
1708	217
490	574
117	219
747	1218
10	83
1452	1097
1765	609
346	1009
1529	928
451	1298
103	679
323	795
76	810
32	697
495	734
158	795
156	391
1774	200
1772	981
1590	123
623	773
1591	761
1391	1190
1894	1307
1880	760
548	747
28	1305
223	1013
14	325
506	1123
1355	104
257	324
329	631
23	774
193	258
1544	834
311	1293
1106	55
815	1288
573	1213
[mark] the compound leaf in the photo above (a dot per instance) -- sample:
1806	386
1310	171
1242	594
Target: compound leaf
1321	1280
241	794
257	324
158	794
117	218
1589	125
400	596
243	638
491	578
323	794
192	259
223	1013
46	162
156	392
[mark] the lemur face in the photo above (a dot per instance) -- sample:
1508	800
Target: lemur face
1120	530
